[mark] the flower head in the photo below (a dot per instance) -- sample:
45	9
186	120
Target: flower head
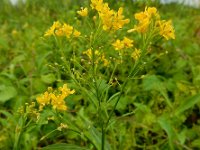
56	98
166	29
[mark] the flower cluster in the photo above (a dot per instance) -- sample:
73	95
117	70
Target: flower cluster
125	43
55	98
150	19
98	56
166	29
111	20
60	30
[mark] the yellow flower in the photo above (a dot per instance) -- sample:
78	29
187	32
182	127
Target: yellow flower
96	4
43	99
118	45
118	21
89	53
56	98
66	91
83	12
136	54
105	61
62	30
144	19
111	20
128	43
166	29
57	101
67	30
51	31
76	33
151	11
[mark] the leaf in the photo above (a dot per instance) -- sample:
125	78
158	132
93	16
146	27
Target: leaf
188	103
7	92
49	78
196	143
151	82
63	146
93	135
166	125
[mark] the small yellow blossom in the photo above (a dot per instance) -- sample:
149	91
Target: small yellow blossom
83	12
89	53
60	30
56	25
136	54
105	61
98	56
128	43
67	30
76	33
144	19
166	29
43	99
111	20
57	101
125	43
55	98
66	91
96	4
118	45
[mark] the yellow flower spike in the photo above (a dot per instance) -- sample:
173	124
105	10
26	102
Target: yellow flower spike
128	43
118	45
136	54
83	12
166	29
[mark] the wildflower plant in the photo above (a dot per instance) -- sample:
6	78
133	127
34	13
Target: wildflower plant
94	71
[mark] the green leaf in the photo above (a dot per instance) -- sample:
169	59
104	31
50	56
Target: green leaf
151	82
49	78
165	124
188	103
196	143
63	146
7	92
